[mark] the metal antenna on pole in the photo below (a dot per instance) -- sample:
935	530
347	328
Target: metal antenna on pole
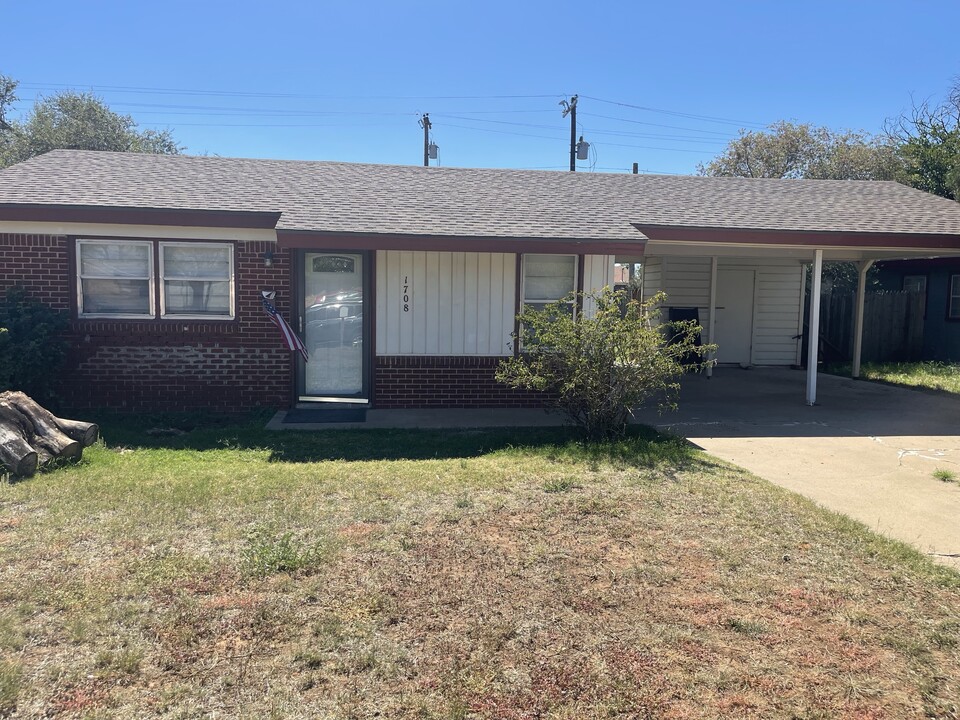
425	124
570	108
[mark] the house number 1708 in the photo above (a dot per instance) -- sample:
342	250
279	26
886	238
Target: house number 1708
406	293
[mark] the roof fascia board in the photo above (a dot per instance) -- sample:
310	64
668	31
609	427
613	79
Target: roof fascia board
138	216
173	232
444	243
797	238
656	248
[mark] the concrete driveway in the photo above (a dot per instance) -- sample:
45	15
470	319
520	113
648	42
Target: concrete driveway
866	450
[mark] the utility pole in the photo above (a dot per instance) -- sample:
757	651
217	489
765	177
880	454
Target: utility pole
570	108
425	124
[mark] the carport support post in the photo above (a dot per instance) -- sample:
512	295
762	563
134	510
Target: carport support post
813	344
863	267
713	312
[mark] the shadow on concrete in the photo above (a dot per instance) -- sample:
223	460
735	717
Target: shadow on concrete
770	402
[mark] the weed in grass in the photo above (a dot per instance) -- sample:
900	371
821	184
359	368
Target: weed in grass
329	633
910	646
559	485
463	502
77	628
945	636
11	632
10	675
309	659
267	553
944	475
746	627
125	661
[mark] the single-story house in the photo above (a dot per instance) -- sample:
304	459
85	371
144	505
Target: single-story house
404	282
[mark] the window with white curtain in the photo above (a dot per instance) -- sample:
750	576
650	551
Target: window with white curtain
196	279
548	278
117	278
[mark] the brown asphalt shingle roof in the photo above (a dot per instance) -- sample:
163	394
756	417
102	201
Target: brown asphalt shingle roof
410	200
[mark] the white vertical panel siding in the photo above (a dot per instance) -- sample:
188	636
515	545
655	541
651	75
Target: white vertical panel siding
459	303
597	274
776	298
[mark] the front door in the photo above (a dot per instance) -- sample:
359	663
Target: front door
734	327
334	302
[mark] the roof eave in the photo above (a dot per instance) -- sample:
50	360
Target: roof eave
798	238
291	238
25	212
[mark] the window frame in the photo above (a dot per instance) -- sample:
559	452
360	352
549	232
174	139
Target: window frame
903	283
151	280
525	302
161	280
155	281
952	295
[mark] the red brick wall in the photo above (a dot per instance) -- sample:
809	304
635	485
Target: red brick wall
444	382
190	364
164	364
40	264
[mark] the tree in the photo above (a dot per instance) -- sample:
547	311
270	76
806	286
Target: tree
928	140
72	120
597	368
790	150
8	96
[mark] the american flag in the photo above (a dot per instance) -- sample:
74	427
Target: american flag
290	338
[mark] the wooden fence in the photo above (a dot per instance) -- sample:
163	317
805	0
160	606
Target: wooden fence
892	326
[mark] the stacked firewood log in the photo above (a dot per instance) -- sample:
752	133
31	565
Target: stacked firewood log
31	436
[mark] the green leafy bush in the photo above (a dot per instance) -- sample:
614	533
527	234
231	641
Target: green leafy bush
32	348
597	367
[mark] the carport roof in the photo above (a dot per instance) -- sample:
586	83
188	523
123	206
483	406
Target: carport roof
365	199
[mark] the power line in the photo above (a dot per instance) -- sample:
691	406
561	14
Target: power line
708	118
560	139
229	93
643	122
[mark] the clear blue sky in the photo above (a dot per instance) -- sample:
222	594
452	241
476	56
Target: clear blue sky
346	81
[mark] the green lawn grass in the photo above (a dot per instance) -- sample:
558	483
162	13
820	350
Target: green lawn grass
930	374
233	572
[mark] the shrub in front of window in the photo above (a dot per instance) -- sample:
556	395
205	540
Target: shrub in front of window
32	349
597	367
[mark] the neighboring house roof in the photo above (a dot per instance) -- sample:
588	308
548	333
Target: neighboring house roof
339	198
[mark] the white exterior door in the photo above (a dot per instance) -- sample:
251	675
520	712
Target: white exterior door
734	326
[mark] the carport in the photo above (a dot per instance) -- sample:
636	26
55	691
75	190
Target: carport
766	232
868	451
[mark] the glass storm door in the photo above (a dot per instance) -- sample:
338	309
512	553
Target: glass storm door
333	327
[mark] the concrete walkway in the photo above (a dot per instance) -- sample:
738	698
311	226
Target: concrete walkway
431	419
866	450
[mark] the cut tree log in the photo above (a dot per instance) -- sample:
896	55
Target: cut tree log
15	452
30	435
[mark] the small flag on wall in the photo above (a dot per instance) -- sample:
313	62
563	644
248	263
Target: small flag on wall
290	338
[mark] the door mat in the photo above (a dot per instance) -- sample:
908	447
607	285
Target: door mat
340	415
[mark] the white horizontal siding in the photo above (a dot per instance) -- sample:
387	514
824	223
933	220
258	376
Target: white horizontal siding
652	277
454	304
686	281
777	311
